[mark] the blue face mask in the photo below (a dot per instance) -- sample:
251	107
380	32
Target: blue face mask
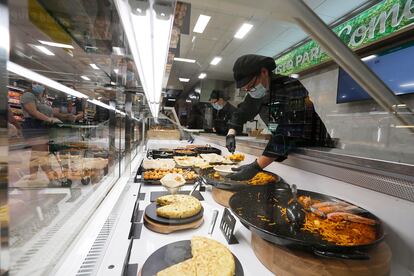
38	89
216	106
258	92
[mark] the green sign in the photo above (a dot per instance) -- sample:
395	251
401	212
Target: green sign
371	25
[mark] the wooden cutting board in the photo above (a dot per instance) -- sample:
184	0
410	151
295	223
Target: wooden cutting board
167	229
286	262
222	197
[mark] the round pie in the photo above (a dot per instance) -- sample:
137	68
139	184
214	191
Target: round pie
178	206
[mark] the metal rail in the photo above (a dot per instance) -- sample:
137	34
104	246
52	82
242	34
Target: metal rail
348	60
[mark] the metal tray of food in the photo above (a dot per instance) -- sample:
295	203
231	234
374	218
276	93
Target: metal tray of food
155	178
157	154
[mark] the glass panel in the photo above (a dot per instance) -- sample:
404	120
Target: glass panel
69	66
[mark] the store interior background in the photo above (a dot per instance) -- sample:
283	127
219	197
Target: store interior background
46	219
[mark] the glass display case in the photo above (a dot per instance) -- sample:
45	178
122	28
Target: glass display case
100	173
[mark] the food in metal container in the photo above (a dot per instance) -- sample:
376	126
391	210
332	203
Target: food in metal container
158	174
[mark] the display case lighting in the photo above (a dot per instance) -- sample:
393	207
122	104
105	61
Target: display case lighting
185	60
85	78
54	44
148	34
44	50
369	57
215	61
201	23
94	66
33	76
243	30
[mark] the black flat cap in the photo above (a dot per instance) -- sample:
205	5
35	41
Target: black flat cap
248	66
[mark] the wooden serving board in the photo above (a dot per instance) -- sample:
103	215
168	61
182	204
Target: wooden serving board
167	229
222	197
286	262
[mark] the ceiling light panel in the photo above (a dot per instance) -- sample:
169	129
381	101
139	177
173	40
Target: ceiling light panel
93	65
201	23
54	44
44	50
85	78
243	30
33	76
185	60
215	60
148	33
202	75
184	79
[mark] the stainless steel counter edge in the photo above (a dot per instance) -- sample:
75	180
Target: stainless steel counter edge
385	177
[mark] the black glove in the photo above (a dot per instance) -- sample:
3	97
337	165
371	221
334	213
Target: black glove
231	143
245	172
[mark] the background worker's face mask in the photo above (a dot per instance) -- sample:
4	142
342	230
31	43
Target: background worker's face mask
217	106
258	92
38	89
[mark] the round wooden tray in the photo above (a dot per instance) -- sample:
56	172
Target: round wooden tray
287	262
221	196
167	229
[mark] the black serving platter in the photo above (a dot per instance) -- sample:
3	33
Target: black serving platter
225	183
157	194
160	154
248	204
172	254
151	213
204	150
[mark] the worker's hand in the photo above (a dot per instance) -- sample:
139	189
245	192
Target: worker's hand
245	172
71	118
53	120
231	142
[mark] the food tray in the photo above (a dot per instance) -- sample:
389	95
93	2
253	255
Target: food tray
204	150
187	152
158	182
157	154
232	185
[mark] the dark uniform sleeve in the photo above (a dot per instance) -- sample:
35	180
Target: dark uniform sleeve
247	110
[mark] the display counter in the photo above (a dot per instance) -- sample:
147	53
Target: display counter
383	206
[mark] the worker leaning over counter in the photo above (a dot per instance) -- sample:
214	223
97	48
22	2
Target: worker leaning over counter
253	74
222	112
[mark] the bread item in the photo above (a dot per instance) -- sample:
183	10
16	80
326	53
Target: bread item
186	268
158	174
178	206
212	157
161	164
210	258
172	180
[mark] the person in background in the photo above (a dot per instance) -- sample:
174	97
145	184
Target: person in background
196	118
67	109
253	75
15	129
222	112
38	118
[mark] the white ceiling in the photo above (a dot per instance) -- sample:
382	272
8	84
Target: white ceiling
268	37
